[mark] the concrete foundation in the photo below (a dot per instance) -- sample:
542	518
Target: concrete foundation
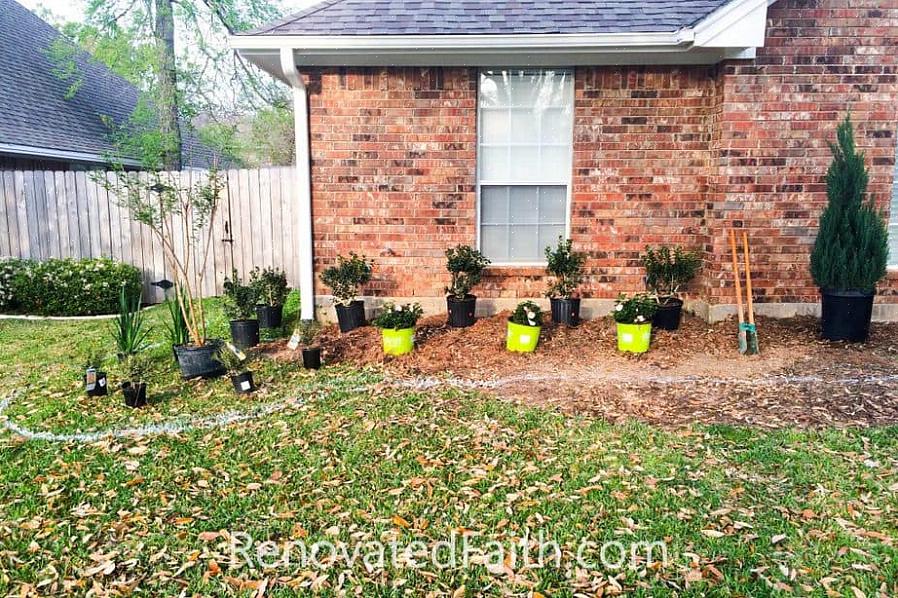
596	308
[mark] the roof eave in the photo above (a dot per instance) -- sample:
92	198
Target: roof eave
48	153
734	30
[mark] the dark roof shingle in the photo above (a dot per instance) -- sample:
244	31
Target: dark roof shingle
34	110
486	17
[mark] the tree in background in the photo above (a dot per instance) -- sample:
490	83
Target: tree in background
176	53
265	137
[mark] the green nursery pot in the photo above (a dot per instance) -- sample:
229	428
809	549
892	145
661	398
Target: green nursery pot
634	338
522	339
398	342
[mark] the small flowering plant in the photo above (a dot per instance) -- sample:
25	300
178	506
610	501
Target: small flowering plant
398	317
9	268
637	309
527	313
65	287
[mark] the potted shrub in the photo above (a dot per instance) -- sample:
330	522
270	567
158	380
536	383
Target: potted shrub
666	270
634	322
566	268
178	334
95	382
311	354
235	363
240	307
129	330
524	327
465	265
177	210
397	325
345	279
270	288
851	250
136	371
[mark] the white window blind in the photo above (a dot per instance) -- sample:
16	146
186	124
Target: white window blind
525	146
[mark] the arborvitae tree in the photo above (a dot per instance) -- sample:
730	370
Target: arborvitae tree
851	250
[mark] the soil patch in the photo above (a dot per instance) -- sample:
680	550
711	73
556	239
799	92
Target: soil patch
692	375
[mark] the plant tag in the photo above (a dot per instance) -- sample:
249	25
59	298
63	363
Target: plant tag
90	379
240	354
245	385
101	382
294	342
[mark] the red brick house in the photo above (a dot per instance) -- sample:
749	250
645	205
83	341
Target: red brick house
423	124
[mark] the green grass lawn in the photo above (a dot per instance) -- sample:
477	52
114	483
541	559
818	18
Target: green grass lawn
743	512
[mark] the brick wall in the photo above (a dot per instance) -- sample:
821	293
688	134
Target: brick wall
641	164
661	155
393	171
778	113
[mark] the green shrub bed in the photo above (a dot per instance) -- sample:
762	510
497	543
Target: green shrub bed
65	287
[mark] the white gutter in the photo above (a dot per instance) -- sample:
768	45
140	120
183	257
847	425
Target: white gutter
472	50
303	182
461	43
30	151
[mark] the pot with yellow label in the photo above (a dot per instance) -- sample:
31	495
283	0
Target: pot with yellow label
398	342
634	338
521	338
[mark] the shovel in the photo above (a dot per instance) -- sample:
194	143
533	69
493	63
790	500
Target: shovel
743	327
751	331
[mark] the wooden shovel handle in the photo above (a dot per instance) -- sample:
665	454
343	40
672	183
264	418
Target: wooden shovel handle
736	275
751	303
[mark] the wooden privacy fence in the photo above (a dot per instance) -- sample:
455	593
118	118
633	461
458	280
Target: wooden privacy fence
46	214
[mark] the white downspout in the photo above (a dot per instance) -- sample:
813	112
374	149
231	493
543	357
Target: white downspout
304	183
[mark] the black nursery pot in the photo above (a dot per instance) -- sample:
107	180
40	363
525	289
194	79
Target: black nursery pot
565	311
243	383
461	311
200	362
99	387
846	315
245	333
668	315
270	316
311	358
135	396
351	316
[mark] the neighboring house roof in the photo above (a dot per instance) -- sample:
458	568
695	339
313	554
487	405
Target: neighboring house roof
508	33
486	17
37	120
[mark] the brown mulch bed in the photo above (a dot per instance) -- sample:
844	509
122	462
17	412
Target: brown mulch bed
694	375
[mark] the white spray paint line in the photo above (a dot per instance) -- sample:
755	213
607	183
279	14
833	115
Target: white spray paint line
427	383
419	383
29	318
173	427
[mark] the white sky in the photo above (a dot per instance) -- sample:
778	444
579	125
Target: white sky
70	10
73	10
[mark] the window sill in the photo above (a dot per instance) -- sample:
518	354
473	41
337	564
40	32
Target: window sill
507	265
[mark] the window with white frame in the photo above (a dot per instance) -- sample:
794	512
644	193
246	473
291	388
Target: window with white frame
893	222
525	142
